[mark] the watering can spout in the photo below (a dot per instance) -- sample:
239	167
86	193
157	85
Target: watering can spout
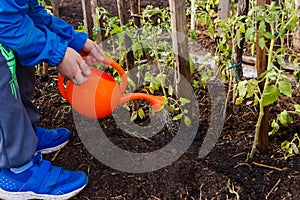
155	101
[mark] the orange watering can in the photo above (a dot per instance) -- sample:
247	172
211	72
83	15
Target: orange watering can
99	96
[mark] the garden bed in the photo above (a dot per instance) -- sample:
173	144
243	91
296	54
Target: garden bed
264	177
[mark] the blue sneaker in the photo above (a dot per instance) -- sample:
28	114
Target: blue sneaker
40	180
50	140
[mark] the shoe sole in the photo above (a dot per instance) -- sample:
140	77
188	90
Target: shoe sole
52	149
31	195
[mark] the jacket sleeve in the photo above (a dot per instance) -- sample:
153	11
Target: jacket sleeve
32	44
40	17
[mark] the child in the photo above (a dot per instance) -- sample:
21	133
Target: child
29	36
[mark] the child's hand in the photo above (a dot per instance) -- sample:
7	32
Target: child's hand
93	53
74	67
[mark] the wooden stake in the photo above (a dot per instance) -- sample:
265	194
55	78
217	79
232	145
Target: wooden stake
224	7
121	11
98	22
87	16
179	37
296	40
136	12
261	66
243	8
128	42
193	10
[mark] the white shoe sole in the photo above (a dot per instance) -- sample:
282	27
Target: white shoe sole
52	149
31	195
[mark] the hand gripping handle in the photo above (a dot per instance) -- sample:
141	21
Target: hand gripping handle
106	61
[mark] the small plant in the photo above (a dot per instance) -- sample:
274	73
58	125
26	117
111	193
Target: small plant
284	118
152	40
292	147
231	189
275	82
80	27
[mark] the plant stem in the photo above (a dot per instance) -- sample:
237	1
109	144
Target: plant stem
158	64
258	125
228	94
261	107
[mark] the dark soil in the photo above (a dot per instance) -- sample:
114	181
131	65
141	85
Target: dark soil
189	177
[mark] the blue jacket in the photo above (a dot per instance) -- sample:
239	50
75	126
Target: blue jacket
35	35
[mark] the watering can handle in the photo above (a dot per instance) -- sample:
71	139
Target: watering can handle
61	86
120	70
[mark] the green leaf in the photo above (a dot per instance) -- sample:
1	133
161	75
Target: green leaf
270	95
295	61
275	127
262	42
253	49
290	150
193	35
141	113
281	50
239	100
272	74
195	84
295	148
269	35
249	33
133	116
283	117
238	37
270	20
264	74
210	31
281	61
116	29
205	76
250	92
242	90
132	83
187	121
285	145
170	90
184	101
253	82
297	108
259	8
242	28
262	28
285	88
177	117
172	107
192	67
256	100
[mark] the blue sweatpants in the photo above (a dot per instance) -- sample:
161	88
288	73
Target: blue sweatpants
18	141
